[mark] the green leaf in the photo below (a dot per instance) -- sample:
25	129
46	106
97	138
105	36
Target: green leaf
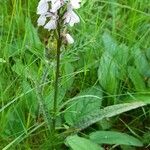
105	124
30	99
15	121
19	68
83	104
141	62
107	112
113	64
119	52
80	143
136	78
113	137
108	68
122	58
108	73
138	97
109	44
25	71
49	99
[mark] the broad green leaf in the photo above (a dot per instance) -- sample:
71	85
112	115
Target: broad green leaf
107	112
119	52
108	68
122	58
114	137
108	73
49	99
15	121
113	64
80	143
83	104
109	44
122	55
18	68
30	99
136	78
141	62
27	71
138	97
105	124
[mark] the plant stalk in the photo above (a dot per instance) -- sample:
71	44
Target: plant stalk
56	84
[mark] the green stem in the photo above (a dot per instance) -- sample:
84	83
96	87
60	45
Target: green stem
56	77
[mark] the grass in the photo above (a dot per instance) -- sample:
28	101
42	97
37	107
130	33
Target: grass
111	54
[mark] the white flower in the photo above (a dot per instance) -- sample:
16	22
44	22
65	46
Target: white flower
42	7
69	38
41	21
48	10
71	17
55	5
75	4
51	25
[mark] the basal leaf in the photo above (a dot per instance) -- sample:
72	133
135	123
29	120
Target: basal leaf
136	78
49	99
110	44
122	58
15	121
25	71
87	101
141	62
80	143
107	112
113	64
30	99
108	73
138	97
114	137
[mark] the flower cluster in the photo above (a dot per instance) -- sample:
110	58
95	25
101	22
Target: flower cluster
48	11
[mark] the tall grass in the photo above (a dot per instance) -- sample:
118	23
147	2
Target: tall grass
106	25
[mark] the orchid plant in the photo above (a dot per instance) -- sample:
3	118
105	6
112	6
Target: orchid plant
56	15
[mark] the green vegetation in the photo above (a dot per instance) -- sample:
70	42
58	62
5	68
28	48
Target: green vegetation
104	82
